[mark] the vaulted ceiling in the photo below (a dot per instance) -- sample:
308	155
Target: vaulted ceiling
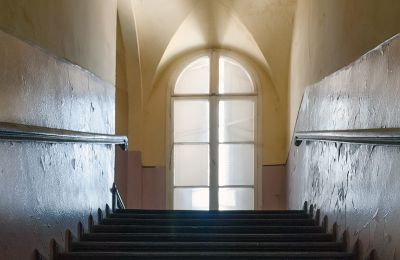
162	30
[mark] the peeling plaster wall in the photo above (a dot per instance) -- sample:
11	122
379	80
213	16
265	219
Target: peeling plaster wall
330	34
47	188
356	186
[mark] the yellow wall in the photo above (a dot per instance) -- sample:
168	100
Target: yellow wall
121	92
330	34
80	31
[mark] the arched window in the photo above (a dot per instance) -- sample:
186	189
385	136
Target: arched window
213	135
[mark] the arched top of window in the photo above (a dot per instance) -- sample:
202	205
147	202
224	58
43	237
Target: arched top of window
195	78
233	78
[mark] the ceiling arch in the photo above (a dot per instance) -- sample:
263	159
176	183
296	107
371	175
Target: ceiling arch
212	24
259	29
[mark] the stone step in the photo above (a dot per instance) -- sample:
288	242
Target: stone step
255	229
210	222
209	216
207	246
202	255
210	212
208	237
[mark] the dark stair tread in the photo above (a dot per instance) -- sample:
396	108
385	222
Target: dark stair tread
205	255
206	229
207	246
225	212
207	216
207	237
201	221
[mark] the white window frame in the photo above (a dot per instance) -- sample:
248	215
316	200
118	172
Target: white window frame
213	97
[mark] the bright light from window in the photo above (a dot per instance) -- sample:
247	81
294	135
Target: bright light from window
195	78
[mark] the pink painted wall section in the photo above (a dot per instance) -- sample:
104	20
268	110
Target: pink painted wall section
121	169
140	187
145	187
134	180
274	187
154	185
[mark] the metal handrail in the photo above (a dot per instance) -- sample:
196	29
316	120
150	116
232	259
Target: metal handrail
376	136
19	132
117	202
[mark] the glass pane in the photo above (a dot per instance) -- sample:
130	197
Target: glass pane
233	78
236	164
191	198
236	120
236	198
191	123
195	78
191	165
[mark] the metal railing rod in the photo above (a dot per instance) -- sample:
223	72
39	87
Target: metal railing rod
19	132
376	136
117	202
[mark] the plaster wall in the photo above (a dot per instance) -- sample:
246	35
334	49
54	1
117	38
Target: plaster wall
330	34
47	188
145	185
274	190
354	185
82	32
121	114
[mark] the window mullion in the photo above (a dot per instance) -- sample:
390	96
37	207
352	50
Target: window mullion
214	132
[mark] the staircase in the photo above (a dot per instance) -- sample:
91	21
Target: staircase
159	234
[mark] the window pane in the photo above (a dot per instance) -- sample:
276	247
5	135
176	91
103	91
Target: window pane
191	165
236	198
195	78
236	164
191	123
191	198
233	78
236	120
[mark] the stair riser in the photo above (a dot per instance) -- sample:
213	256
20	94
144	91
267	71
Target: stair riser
207	229
225	212
202	257
209	238
211	222
209	216
204	249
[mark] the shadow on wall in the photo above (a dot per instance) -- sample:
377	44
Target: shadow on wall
47	188
356	186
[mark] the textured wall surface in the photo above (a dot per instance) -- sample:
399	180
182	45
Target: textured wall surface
80	31
46	188
356	186
330	34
